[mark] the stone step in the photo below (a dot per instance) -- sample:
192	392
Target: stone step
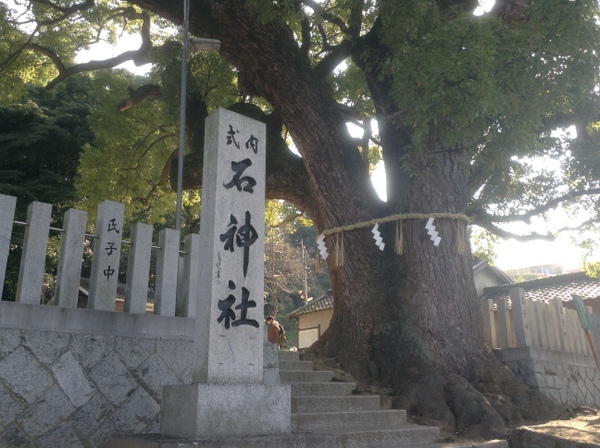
295	365
286	355
348	421
395	438
405	436
305	376
342	403
322	389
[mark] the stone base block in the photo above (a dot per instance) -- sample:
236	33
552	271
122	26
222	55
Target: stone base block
213	411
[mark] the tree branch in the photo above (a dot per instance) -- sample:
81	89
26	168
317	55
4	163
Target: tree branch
332	59
506	235
526	217
318	9
87	4
139	56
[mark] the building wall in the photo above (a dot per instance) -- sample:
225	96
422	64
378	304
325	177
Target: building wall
483	279
72	378
319	319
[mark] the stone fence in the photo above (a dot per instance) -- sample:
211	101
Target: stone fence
73	377
545	344
105	262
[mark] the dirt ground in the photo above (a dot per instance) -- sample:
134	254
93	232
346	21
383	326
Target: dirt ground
581	429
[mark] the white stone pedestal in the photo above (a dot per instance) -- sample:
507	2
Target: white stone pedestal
213	411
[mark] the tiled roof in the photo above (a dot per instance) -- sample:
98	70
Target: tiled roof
324	302
558	286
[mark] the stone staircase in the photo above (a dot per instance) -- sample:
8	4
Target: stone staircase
325	414
348	420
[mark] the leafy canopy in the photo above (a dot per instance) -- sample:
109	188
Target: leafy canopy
494	87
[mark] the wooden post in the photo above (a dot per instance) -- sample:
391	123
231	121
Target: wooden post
521	317
489	322
504	335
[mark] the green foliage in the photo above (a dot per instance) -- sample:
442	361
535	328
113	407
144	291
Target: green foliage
471	78
127	159
492	89
483	244
210	78
40	145
592	269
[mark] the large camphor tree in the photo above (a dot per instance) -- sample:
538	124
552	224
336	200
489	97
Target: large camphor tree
464	104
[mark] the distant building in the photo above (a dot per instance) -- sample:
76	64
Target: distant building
533	272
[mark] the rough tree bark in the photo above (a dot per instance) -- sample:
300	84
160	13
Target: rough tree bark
412	321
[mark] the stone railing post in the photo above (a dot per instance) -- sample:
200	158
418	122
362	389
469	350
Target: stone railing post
167	267
33	258
138	268
107	256
190	285
68	276
7	214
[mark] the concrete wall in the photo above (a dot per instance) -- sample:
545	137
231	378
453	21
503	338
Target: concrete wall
569	379
71	378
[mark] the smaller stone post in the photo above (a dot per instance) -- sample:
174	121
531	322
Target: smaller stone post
33	259
167	268
188	298
138	268
68	276
7	214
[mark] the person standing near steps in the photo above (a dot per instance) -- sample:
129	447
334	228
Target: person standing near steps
276	332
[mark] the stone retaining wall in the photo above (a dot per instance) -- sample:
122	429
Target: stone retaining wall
569	379
75	377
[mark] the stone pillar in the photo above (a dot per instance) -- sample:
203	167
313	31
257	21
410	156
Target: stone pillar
228	396
68	275
33	259
7	214
167	267
188	298
107	256
138	268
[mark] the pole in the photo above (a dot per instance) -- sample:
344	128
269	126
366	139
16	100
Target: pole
305	272
184	63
